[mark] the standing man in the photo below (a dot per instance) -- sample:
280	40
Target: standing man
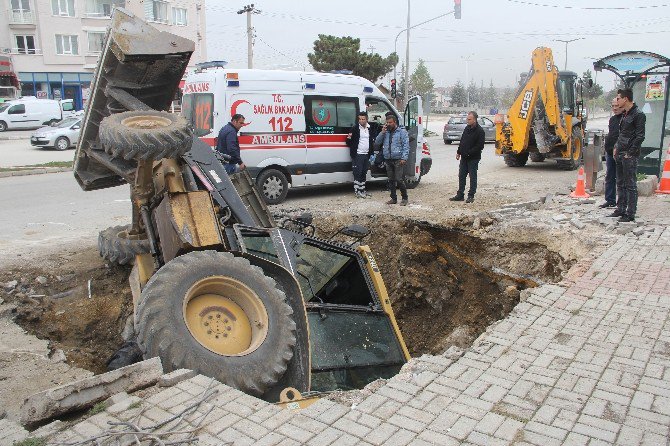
610	176
469	153
360	141
626	153
394	142
228	144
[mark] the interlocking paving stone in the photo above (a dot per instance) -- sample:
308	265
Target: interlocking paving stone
584	362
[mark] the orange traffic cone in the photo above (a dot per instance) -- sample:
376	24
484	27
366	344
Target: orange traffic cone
664	185
580	191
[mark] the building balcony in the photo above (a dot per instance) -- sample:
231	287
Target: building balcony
21	51
21	17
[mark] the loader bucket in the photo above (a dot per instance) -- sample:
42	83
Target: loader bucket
144	66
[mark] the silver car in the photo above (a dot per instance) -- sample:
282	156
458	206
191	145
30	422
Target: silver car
453	129
61	136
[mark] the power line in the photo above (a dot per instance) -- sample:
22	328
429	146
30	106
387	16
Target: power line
593	8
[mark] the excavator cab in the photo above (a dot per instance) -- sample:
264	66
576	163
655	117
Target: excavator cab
567	92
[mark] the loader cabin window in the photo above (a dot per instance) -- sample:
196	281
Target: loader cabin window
198	108
329	115
566	93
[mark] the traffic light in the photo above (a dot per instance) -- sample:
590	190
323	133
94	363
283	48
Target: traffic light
457	9
394	93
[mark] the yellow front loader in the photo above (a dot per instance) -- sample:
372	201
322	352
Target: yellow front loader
545	120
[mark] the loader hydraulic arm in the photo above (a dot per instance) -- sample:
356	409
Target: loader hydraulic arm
541	84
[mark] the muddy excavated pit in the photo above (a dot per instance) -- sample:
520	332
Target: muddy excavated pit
446	284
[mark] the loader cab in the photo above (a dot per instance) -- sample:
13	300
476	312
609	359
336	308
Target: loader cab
567	92
354	338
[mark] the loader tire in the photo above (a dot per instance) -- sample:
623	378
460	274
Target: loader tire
573	162
218	315
116	246
145	135
516	160
537	157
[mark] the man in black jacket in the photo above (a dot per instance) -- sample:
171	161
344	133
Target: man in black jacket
610	176
360	142
469	152
626	153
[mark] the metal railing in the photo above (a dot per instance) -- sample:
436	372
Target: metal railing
21	17
21	51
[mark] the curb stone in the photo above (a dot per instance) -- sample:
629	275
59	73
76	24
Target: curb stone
39	171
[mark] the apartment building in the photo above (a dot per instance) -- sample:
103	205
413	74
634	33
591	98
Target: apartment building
55	44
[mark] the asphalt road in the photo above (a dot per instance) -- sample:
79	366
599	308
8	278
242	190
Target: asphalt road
41	211
19	152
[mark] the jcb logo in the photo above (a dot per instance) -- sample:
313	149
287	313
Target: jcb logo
525	104
548	65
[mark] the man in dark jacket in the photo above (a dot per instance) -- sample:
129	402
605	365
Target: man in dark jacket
228	144
360	141
610	176
470	153
626	153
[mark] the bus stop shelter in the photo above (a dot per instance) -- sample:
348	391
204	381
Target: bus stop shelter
647	74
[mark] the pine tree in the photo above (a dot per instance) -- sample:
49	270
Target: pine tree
343	53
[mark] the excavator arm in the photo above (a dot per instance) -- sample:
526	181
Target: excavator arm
526	113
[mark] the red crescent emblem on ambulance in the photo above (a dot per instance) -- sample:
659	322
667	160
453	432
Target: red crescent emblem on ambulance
233	109
319	116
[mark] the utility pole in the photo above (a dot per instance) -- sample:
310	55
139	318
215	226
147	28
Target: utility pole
249	9
395	44
372	49
407	57
566	48
467	77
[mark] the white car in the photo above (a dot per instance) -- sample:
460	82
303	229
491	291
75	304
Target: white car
61	136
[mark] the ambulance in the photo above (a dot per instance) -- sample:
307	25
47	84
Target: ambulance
296	123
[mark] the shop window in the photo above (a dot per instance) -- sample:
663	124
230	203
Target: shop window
63	7
67	45
96	41
25	44
179	16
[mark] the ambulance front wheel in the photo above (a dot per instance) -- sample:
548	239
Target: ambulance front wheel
273	184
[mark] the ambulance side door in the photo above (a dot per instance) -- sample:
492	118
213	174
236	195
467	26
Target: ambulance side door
328	122
274	132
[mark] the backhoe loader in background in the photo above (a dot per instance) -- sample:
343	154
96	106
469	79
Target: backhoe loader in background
218	286
545	120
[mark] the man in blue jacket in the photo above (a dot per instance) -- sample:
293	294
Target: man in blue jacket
228	144
394	142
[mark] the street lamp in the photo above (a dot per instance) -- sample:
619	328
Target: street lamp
395	46
566	48
467	77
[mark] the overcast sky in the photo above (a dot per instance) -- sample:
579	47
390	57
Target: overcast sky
498	36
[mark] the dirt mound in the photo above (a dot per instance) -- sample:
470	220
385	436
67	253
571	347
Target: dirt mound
446	284
52	302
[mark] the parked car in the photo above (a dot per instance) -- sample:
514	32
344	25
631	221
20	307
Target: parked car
31	113
60	136
453	129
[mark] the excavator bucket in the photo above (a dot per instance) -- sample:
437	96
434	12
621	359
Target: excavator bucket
140	68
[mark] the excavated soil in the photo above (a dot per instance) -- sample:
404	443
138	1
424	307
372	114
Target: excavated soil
446	285
52	301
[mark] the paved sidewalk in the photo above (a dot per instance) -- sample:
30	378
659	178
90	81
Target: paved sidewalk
584	362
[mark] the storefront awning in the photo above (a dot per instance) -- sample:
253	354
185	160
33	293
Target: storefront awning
12	77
